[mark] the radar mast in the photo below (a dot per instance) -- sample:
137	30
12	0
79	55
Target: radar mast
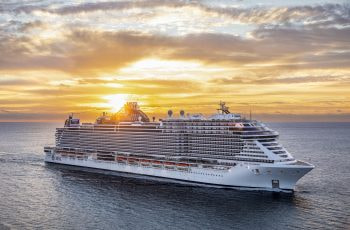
223	108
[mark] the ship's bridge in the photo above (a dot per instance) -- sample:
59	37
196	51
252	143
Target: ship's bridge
230	116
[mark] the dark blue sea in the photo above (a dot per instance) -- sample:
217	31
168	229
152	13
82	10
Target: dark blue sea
34	195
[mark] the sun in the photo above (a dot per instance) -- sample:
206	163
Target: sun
116	101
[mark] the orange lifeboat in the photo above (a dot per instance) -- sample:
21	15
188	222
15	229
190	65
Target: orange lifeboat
183	165
145	162
157	164
121	158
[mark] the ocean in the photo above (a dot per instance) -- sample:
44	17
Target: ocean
34	195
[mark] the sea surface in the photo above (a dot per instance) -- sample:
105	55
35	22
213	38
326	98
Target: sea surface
34	195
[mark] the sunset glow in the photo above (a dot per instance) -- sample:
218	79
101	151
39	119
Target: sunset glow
116	101
284	60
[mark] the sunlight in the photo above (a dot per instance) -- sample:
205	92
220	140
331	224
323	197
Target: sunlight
116	101
165	64
165	69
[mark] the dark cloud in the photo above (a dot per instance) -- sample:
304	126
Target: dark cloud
4	111
80	51
27	26
111	5
282	48
92	6
109	51
317	15
321	15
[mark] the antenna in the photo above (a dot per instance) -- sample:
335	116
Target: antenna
250	114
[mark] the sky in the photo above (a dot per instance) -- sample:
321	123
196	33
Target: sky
282	60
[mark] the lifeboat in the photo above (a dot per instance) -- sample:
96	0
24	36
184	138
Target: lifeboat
169	165
157	164
133	161
121	159
145	162
182	165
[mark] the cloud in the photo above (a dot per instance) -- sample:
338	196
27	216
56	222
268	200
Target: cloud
111	5
79	52
297	37
17	82
88	52
99	87
148	83
108	51
275	47
283	80
317	15
4	111
86	7
320	15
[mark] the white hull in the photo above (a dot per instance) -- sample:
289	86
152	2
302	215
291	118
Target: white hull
244	174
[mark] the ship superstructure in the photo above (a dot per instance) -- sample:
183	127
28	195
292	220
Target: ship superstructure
223	149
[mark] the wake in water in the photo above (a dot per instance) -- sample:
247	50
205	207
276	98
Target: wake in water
24	158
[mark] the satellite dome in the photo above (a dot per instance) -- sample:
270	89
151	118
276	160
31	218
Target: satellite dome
182	113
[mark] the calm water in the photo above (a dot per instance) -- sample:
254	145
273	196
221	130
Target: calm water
35	195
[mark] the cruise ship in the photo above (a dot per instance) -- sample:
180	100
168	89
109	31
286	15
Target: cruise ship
224	150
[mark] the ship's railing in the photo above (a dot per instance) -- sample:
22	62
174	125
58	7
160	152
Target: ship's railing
302	163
